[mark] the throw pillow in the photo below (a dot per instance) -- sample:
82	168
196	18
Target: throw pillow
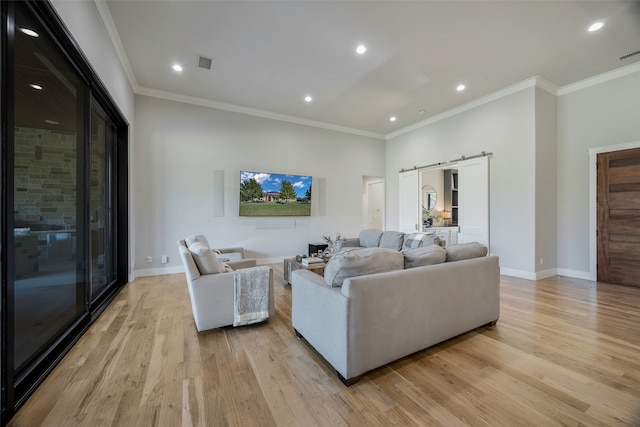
426	255
392	240
360	262
465	251
205	259
370	238
196	238
418	240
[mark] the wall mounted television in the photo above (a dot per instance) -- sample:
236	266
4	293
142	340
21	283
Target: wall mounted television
273	194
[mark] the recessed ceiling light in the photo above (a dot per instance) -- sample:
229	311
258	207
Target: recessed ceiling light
36	86
596	26
393	118
308	98
52	122
29	32
460	88
422	111
177	67
361	49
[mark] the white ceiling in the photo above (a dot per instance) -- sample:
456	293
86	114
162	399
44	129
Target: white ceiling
267	55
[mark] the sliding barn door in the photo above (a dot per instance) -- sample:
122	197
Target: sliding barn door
619	217
473	194
409	215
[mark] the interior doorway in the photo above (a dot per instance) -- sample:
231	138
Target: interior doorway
373	202
618	217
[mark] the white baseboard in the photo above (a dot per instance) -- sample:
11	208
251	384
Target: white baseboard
585	275
158	271
546	273
273	260
179	269
539	275
576	274
518	273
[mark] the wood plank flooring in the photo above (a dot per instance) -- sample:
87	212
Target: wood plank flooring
564	352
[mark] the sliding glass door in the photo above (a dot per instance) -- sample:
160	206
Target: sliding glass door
101	201
48	160
64	197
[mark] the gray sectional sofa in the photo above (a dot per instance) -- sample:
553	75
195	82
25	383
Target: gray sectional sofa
397	240
369	310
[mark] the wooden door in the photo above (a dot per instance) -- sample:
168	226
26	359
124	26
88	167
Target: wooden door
473	194
619	217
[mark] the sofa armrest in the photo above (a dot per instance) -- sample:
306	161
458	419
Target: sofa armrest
230	250
232	254
212	300
212	297
353	242
319	314
242	263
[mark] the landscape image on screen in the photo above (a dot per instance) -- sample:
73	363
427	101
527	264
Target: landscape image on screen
272	194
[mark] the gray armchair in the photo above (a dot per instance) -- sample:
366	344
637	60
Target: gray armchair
212	288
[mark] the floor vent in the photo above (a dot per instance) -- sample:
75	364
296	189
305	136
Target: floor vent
204	62
629	55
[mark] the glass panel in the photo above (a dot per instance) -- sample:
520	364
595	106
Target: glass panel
2	235
102	259
49	283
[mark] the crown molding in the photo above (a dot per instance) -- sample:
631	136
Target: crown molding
531	82
547	85
600	78
538	81
107	19
251	111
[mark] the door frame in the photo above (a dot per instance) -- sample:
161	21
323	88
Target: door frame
593	205
368	181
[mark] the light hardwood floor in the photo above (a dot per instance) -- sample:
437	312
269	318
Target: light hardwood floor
564	352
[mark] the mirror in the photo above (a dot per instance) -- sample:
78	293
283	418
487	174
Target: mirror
429	197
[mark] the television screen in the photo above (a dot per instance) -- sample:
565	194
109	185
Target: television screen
272	194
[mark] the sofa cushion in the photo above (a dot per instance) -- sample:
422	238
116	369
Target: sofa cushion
426	255
360	262
465	251
392	240
370	238
418	240
205	258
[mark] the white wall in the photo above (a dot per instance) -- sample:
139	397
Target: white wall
178	146
516	129
85	24
546	255
596	116
506	127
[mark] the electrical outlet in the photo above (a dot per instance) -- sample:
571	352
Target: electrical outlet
541	261
149	259
165	259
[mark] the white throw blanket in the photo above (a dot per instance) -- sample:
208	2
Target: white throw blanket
251	295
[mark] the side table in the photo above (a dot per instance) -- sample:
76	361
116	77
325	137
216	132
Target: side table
291	265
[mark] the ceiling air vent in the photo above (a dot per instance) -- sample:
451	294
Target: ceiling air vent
629	55
204	62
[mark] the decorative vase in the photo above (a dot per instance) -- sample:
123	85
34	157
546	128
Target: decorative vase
328	253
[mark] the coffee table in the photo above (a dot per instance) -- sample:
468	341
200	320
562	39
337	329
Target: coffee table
290	265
